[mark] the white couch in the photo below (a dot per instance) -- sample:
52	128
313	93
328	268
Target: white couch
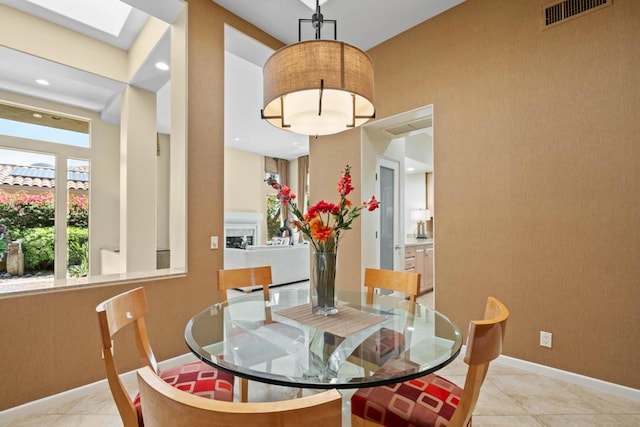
289	264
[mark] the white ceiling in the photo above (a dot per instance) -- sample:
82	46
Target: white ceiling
78	88
363	23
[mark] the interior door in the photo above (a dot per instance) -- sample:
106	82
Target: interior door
389	252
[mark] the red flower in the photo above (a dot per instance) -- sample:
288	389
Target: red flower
323	207
373	204
344	185
323	231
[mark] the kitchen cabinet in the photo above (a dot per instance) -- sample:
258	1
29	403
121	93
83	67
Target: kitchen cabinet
418	257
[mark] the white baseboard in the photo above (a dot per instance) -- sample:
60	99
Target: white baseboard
46	403
570	377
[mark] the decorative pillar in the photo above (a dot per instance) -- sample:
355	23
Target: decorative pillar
138	170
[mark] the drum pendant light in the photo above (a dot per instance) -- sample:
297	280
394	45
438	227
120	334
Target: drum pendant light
318	87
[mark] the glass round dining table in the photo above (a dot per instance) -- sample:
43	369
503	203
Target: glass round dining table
282	342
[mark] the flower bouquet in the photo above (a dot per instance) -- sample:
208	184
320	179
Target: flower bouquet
322	226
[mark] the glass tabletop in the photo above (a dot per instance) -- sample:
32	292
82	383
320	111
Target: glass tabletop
281	342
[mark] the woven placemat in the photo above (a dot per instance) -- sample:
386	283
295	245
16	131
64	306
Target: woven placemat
347	321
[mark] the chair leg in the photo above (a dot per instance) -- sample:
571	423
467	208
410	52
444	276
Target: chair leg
361	422
244	389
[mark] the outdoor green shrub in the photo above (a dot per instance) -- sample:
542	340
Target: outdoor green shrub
80	251
77	239
273	216
78	211
21	211
38	249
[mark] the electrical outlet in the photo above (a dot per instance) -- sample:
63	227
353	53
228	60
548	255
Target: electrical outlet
214	242
545	339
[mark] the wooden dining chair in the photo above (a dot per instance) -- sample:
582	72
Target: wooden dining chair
432	400
243	277
165	406
406	282
386	343
252	276
129	309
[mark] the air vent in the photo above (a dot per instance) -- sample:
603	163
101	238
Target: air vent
410	127
558	13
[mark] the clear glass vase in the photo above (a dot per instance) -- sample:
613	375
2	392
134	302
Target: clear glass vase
324	299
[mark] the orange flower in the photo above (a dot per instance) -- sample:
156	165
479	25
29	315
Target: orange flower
319	231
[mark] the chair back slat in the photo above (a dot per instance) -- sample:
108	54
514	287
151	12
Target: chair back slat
166	406
241	277
114	314
400	281
484	344
123	309
485	337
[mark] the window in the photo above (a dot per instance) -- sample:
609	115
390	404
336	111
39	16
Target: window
273	216
84	148
36	214
55	223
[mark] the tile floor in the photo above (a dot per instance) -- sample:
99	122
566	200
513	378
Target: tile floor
509	397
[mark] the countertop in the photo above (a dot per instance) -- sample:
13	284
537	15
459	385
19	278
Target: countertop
418	242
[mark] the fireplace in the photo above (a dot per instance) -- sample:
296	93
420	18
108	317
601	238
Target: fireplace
242	229
239	242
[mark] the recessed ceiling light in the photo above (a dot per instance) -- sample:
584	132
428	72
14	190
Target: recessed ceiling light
37	115
410	169
42	82
162	66
236	139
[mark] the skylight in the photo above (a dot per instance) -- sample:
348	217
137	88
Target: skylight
108	16
311	4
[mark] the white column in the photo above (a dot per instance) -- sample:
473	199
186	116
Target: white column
138	169
178	184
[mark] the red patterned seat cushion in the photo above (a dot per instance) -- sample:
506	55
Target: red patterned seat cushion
196	378
425	401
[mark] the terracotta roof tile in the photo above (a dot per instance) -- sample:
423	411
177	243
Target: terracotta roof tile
38	176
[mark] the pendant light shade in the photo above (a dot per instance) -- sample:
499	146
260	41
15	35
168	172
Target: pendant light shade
318	87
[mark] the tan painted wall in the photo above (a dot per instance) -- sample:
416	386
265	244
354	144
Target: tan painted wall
536	187
536	173
327	157
50	340
163	190
244	187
